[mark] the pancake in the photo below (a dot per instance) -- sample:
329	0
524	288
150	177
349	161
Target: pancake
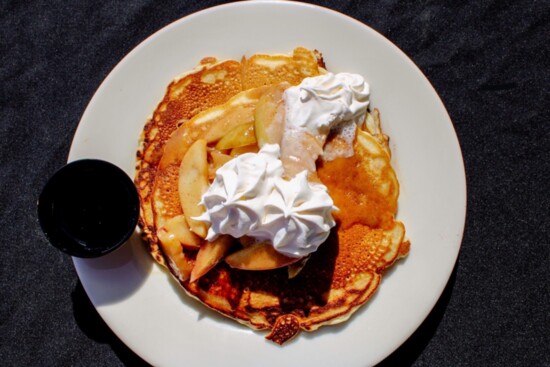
335	280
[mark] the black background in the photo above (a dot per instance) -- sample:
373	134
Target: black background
489	62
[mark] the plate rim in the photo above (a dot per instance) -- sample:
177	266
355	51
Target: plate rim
205	12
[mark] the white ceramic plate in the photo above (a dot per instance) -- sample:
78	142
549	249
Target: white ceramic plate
149	312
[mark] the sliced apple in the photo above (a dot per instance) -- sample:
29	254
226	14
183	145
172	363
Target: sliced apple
260	256
217	159
174	252
178	228
192	183
245	149
237	111
241	135
269	115
233	116
209	255
295	268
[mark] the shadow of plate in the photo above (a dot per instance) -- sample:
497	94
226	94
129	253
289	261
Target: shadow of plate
115	276
93	326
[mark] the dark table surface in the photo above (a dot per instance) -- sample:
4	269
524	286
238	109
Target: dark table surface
489	62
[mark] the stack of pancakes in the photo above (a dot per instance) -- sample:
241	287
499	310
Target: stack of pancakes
208	104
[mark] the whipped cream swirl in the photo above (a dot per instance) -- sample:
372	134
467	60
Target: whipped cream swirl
249	196
329	103
319	103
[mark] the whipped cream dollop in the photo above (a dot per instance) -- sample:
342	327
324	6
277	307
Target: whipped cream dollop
320	103
249	196
333	104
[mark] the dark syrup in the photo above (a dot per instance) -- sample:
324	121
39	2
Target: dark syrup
89	208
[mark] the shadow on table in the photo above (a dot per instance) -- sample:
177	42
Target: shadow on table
91	324
409	351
